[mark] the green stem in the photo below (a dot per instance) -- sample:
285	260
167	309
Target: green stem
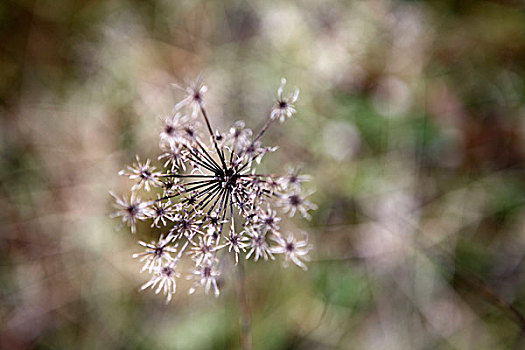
245	321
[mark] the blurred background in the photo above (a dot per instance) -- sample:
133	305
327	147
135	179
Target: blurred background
410	121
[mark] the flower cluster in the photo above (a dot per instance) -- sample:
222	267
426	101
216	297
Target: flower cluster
201	191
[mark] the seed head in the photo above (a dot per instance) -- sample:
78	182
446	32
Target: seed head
205	186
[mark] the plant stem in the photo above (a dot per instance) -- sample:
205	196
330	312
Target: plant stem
245	321
208	125
263	130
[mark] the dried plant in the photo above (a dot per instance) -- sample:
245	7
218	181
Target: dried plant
204	187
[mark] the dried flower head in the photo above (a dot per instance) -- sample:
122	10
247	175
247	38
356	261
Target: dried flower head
203	186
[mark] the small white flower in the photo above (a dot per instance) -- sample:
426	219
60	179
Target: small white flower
273	185
194	91
164	279
143	172
205	275
172	187
254	151
258	246
203	250
215	222
161	211
268	220
292	249
236	242
185	225
293	180
156	254
130	210
176	156
283	106
179	130
239	136
293	202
